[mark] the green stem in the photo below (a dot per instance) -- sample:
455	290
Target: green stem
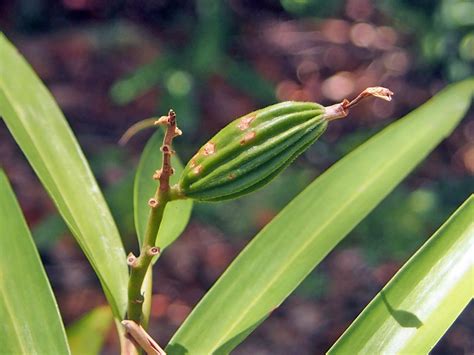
163	195
140	266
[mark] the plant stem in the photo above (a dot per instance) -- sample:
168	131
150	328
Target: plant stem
163	195
140	265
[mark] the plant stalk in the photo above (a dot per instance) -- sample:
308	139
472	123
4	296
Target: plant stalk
164	193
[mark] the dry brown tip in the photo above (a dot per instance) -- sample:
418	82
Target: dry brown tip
341	109
380	92
377	91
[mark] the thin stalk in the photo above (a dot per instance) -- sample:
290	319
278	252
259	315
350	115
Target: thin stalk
164	194
139	266
341	109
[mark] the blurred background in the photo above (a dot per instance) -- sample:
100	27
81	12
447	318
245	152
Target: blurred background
110	64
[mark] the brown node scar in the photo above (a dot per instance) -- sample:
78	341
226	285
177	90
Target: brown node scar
165	148
248	137
153	251
131	259
245	122
209	148
157	174
163	120
152	202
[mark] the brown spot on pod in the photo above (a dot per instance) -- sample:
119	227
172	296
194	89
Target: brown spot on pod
245	122
248	137
197	169
209	148
231	176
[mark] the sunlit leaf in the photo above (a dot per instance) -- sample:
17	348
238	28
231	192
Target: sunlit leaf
423	299
44	136
29	317
87	335
287	249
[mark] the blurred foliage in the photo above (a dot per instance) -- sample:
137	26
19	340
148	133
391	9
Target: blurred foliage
443	30
199	42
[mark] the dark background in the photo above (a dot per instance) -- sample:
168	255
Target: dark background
110	64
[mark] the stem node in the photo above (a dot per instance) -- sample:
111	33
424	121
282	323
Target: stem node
131	260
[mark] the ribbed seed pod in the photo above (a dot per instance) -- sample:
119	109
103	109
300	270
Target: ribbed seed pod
252	150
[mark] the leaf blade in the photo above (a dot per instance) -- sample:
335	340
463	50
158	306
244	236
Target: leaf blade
40	129
21	276
177	213
289	247
423	299
87	335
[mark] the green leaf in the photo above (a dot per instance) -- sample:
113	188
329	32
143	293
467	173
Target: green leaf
304	232
41	131
30	319
176	214
423	299
87	335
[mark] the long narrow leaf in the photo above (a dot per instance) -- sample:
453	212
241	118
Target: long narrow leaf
87	335
40	129
177	213
423	299
289	247
29	317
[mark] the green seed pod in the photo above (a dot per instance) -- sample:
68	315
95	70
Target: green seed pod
252	150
